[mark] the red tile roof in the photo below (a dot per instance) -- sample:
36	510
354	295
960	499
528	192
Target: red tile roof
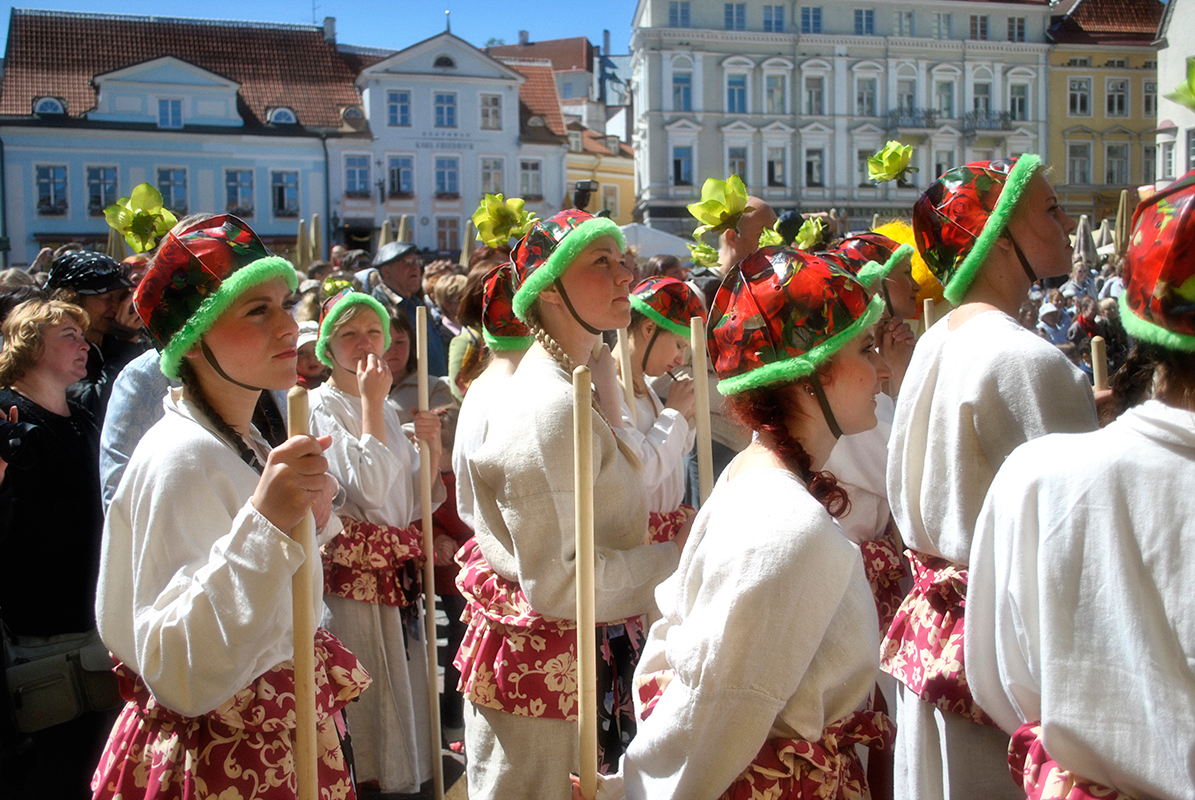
597	142
1109	22
537	97
56	53
565	54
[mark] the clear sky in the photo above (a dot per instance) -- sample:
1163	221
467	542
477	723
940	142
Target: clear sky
397	23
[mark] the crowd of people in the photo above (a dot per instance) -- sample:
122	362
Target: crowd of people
931	555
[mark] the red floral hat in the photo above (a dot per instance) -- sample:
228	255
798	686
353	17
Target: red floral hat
870	256
959	217
780	314
499	325
669	303
550	247
195	277
333	310
1158	303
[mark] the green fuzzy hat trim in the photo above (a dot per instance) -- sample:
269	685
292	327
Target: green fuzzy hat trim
329	323
658	318
795	368
506	343
1152	332
873	272
212	307
565	253
1010	196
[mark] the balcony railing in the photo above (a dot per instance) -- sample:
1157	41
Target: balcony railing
987	121
913	118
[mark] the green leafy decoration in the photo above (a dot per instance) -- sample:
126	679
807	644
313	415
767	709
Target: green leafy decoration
334	284
722	205
703	254
499	220
891	163
769	237
1184	93
811	234
140	218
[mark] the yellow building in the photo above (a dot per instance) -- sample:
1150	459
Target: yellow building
593	156
1103	101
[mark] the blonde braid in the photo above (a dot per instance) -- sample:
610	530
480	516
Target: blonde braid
559	356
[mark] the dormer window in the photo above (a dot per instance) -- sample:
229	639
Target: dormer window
170	113
283	116
535	122
444	62
48	105
574	142
614	144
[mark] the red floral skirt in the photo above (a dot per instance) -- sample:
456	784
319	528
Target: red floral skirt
828	769
377	564
924	646
885	569
517	660
1042	778
241	750
665	526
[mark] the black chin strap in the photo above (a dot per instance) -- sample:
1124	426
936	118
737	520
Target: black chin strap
569	305
887	297
647	351
825	404
211	359
1021	256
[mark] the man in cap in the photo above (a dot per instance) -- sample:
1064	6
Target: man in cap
396	279
98	284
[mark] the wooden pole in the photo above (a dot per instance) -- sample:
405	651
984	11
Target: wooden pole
701	397
303	246
586	624
469	243
429	566
317	238
304	743
384	233
927	313
1099	363
628	377
404	229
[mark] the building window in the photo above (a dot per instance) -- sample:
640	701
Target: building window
48	105
864	175
530	183
448	234
736	162
1079	61
101	189
906	93
865	97
811	19
614	145
568	90
865	22
1120	63
398	106
1118	97
491	175
283	116
238	192
944	98
904	23
682	91
575	143
682	166
815	89
736	94
1016	29
981	99
356	176
1167	161
775	88
444	62
979	26
1116	164
776	171
735	16
1149	163
448	177
678	14
814	168
1078	162
172	183
445	110
1150	63
1018	101
402	176
1079	97
943	161
51	191
1149	103
284	191
773	19
491	112
943	26
170	113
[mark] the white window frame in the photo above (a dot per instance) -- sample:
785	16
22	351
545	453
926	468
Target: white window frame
683	16
368	193
811	23
1166	158
298	193
445	193
538	172
672	146
1149	162
1070	94
454	105
483	169
239	211
805	151
952	82
734	68
1126	103
393	192
943	25
773	25
738	16
1149	99
865	22
494	114
171	125
786	157
437	230
856	108
1128	163
157	184
980	28
735	143
56	203
672	87
1028	101
394	108
1070	163
823	76
782	69
1018	28
609	189
87	168
899	20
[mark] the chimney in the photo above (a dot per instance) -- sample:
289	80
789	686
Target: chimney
524	38
605	43
330	30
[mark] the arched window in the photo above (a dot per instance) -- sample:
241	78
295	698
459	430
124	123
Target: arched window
444	62
48	105
283	116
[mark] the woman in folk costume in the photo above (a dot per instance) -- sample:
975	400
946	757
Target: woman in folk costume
662	432
756	681
194	596
1078	608
518	659
978	386
372	569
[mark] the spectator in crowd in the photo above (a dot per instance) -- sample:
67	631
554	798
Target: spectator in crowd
312	371
1115	338
396	279
403	363
320	269
1114	286
467	350
16	277
1050	323
1027	315
1080	284
667	266
1087	324
447	294
336	254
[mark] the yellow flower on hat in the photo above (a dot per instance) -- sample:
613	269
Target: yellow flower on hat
811	234
703	254
140	218
890	163
499	220
722	205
